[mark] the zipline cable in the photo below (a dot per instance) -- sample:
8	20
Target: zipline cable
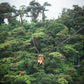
70	36
61	42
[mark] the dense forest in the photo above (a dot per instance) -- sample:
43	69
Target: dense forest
60	41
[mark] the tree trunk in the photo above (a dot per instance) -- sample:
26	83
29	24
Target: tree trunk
21	20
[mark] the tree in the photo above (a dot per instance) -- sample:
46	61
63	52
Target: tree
73	18
21	12
43	14
78	16
6	12
67	18
35	8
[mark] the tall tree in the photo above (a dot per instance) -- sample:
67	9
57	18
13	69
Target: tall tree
78	16
21	12
44	9
67	17
35	8
73	18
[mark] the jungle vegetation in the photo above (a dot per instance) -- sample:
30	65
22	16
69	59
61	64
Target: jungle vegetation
63	62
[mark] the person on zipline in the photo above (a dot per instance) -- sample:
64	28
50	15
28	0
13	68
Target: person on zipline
40	59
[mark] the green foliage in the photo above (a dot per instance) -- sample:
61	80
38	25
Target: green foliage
26	25
68	78
54	28
9	79
55	61
73	18
6	11
62	81
69	51
18	31
76	38
39	35
7	28
41	24
70	71
63	63
62	35
56	55
22	79
4	69
3	36
43	78
16	79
